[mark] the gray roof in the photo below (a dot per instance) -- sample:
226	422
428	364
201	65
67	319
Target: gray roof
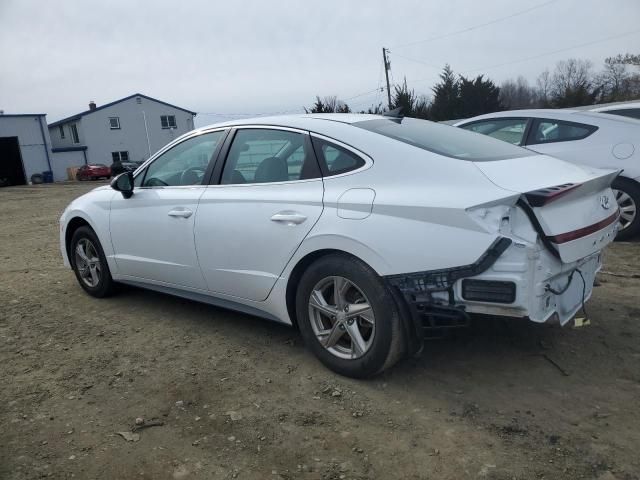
77	116
23	115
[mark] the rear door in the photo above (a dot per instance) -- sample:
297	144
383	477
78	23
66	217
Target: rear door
263	201
570	141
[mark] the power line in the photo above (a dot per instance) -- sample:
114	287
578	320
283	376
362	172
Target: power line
534	57
363	94
220	114
283	112
416	60
475	27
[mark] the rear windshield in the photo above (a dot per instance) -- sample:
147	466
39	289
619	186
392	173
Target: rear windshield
444	140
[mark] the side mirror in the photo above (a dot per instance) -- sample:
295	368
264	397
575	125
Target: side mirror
123	183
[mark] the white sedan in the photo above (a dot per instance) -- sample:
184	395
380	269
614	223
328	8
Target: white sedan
363	231
623	109
578	136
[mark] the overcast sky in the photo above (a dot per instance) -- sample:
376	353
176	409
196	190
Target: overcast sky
270	56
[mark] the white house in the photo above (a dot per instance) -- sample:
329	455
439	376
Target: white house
25	147
130	129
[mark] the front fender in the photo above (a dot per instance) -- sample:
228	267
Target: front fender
93	208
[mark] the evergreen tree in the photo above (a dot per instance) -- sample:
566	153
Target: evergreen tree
412	105
446	97
329	104
477	96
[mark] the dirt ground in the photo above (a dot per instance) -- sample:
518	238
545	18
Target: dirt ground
240	397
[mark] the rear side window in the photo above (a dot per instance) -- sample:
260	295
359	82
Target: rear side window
506	129
268	156
334	159
549	131
444	140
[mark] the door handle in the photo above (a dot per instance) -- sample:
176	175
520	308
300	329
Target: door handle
289	218
184	213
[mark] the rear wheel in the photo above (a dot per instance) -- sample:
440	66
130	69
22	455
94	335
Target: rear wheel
627	194
347	317
90	264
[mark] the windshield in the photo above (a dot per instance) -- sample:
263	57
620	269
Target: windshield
444	140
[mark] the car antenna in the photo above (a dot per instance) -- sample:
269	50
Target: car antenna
396	112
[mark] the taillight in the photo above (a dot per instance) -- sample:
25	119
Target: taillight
543	196
583	232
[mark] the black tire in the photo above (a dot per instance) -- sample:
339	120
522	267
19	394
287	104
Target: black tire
386	347
632	189
105	286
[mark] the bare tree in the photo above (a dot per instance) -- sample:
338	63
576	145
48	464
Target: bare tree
614	80
627	59
619	82
572	84
517	94
544	88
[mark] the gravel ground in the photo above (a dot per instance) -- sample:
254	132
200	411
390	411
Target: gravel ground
239	397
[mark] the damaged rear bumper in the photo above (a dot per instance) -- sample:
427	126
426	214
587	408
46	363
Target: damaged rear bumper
513	278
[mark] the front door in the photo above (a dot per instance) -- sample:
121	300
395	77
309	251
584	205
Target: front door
250	224
152	232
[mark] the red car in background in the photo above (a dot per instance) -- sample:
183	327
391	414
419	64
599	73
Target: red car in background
93	172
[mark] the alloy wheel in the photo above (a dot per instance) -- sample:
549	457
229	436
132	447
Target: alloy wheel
341	317
628	208
88	262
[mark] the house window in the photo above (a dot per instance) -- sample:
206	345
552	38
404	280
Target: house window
168	121
120	156
114	123
61	128
74	133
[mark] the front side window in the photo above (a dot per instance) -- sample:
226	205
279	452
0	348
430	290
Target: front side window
444	140
269	155
548	131
114	123
120	156
74	133
168	121
61	128
506	129
334	159
184	164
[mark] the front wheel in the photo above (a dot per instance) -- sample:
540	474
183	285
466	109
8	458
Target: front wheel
627	194
90	264
347	317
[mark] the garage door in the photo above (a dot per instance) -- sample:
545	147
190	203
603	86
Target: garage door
11	169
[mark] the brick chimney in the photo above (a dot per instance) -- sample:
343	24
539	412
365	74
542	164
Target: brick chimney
92	105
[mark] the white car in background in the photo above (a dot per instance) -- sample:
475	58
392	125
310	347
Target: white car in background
583	137
362	230
624	109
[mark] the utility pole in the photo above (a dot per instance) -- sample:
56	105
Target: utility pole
387	66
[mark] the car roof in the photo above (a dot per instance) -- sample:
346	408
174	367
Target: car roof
615	106
594	118
309	121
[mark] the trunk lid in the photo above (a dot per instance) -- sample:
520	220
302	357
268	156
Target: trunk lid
573	205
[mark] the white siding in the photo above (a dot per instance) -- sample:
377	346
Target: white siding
61	160
101	140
